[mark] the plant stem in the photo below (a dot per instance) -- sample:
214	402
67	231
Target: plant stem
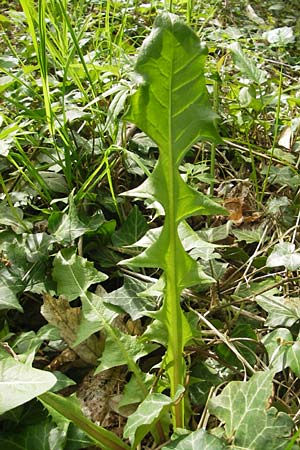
175	357
213	145
172	301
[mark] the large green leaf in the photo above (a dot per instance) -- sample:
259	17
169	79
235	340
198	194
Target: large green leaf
249	422
19	383
171	106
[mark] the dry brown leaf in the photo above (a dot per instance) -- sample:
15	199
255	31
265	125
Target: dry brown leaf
58	312
235	207
63	360
240	212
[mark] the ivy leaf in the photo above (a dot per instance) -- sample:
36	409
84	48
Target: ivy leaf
203	379
127	297
283	311
247	349
249	423
10	286
74	274
196	246
132	393
132	229
199	439
26	345
284	254
282	350
31	437
95	316
13	218
247	66
76	439
249	236
147	414
62	381
294	357
21	383
121	347
70	227
279	37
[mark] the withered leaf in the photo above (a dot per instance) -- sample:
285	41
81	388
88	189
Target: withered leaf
58	312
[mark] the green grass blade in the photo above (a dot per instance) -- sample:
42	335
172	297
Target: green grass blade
39	43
